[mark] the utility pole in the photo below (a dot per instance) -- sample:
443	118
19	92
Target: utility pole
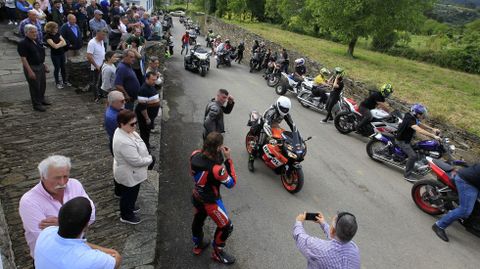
206	11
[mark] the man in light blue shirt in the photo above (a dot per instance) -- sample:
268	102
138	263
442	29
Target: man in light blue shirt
63	247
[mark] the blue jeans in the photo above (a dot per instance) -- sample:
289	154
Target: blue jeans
467	195
59	67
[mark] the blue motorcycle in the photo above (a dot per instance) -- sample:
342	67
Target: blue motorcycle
383	148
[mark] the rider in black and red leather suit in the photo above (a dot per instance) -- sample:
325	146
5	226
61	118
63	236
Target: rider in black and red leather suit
210	169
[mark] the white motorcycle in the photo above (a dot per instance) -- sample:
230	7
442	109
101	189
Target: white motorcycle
288	84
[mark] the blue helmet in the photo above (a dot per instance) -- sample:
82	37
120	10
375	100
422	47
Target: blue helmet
418	109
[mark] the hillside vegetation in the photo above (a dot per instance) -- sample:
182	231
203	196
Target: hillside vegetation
451	96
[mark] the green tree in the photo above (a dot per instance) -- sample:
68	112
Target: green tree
237	7
257	9
352	19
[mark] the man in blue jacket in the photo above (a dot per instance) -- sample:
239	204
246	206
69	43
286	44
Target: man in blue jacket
72	35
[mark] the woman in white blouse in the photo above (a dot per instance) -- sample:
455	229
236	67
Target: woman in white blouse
130	165
41	16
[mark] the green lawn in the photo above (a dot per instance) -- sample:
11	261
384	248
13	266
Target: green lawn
450	96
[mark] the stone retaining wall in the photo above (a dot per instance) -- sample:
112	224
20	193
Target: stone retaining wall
468	144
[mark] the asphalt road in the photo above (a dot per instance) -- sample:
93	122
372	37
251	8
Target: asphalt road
392	232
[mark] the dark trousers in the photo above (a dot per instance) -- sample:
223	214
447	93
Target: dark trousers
127	200
59	67
144	128
284	68
170	49
83	25
38	85
367	117
412	157
239	57
331	102
11	13
94	83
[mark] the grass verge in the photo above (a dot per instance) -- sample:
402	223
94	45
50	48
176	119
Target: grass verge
451	96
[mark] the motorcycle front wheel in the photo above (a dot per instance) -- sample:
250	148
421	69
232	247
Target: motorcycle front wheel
293	181
273	80
343	122
280	89
203	71
427	197
250	141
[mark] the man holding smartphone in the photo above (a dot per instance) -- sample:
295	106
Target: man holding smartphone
213	118
211	167
338	251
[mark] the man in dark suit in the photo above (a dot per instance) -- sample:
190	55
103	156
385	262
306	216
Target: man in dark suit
73	35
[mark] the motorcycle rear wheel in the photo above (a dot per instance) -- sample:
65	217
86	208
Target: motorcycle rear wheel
341	120
300	97
294	182
371	146
420	198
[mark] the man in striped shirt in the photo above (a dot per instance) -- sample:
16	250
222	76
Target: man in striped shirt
147	107
338	251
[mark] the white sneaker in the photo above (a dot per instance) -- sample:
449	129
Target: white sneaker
10	22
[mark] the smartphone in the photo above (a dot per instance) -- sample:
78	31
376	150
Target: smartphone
311	216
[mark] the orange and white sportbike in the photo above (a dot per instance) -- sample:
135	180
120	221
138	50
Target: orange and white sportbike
282	152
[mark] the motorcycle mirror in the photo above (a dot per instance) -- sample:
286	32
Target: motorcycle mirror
308	138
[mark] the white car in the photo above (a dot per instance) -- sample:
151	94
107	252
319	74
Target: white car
177	13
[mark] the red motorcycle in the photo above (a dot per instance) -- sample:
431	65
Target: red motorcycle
283	152
436	197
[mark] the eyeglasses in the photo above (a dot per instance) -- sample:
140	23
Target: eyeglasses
133	124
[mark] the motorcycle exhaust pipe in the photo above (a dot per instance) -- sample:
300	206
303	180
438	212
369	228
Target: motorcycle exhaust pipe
383	159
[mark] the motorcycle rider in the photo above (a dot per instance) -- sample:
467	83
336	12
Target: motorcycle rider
467	181
272	118
337	80
375	99
240	50
222	48
284	60
210	37
300	71
255	46
210	168
411	124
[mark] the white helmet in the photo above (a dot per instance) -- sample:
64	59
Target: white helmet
283	105
300	61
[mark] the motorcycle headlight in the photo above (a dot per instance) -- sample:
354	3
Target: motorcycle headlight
292	155
289	148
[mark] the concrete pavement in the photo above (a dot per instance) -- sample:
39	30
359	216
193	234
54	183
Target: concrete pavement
393	233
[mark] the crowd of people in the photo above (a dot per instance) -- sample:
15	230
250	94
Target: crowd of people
54	212
65	27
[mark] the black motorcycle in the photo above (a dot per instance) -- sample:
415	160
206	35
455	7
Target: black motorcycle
198	60
225	58
257	60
